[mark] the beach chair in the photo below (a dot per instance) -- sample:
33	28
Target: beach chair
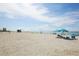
73	37
60	36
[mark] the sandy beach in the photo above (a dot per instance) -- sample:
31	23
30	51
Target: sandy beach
36	44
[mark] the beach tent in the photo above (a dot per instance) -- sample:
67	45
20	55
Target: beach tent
62	31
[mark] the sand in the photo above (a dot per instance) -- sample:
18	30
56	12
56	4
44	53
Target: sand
36	44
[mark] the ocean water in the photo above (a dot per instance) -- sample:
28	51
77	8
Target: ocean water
75	33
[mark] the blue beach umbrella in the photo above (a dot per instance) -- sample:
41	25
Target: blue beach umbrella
62	31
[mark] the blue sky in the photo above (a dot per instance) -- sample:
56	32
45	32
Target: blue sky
39	16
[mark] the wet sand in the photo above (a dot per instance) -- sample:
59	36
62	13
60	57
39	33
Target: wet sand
36	44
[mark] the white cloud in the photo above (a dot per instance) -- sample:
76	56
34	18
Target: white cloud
24	10
34	11
65	21
72	13
38	13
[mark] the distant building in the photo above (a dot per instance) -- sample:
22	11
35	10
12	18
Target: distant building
4	29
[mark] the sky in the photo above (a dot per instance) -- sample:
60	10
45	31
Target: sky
39	16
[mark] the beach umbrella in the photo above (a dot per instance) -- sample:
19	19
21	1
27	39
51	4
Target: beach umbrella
62	31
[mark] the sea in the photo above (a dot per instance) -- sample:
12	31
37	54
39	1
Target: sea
76	33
